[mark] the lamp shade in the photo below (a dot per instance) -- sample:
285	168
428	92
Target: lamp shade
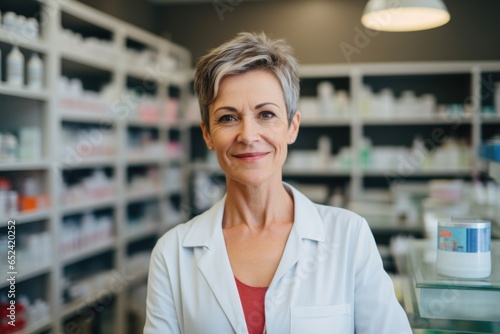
404	15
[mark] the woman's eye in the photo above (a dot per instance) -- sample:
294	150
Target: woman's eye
227	118
267	114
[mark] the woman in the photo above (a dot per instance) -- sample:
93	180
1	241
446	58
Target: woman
264	259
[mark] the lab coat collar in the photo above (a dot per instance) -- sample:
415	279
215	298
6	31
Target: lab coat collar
208	226
206	231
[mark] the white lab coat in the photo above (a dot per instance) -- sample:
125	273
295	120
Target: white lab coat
329	280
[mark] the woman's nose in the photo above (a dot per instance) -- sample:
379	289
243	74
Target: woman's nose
248	130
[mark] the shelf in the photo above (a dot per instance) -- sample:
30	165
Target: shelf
20	165
89	252
134	196
37	327
146	160
24	93
90	205
450	303
93	162
415	121
33	271
88	117
287	171
15	39
139	277
424	325
137	234
26	217
490	120
326	122
147	123
433	172
87	59
203	167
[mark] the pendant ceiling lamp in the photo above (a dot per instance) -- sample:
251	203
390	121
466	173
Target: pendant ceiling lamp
404	15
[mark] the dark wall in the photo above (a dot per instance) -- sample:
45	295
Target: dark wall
140	13
321	31
318	28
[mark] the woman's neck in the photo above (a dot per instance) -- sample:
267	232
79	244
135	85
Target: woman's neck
257	206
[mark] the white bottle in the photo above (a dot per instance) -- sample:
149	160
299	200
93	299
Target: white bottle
35	72
9	21
15	68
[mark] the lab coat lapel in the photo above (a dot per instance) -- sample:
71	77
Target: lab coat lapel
214	263
307	225
215	267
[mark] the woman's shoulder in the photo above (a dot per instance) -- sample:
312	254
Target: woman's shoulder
335	217
175	237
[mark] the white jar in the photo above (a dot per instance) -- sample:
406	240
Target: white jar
464	248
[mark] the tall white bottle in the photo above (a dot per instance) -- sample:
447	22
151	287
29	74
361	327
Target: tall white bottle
35	72
15	68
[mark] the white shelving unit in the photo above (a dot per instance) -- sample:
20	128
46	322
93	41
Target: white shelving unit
477	74
61	59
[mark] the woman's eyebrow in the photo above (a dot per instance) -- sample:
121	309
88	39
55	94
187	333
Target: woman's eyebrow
260	105
225	108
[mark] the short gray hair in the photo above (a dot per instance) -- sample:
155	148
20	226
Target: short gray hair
247	52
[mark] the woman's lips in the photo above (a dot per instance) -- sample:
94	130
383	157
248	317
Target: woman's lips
250	156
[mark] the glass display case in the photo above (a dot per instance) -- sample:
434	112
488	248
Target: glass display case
446	304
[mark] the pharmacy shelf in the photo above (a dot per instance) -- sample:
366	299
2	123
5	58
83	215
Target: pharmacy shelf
23	166
93	162
37	327
490	120
16	39
88	59
138	278
145	231
146	160
147	123
24	274
68	59
88	117
90	205
137	196
326	123
324	172
26	217
148	73
204	167
89	252
416	121
463	172
73	307
24	93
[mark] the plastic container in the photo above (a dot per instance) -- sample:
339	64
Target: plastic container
15	68
464	248
35	72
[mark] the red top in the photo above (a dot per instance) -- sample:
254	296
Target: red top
252	299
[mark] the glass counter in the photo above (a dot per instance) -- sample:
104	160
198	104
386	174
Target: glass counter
438	303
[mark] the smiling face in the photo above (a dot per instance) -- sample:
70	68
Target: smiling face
249	130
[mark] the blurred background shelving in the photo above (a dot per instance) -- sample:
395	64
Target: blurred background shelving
91	142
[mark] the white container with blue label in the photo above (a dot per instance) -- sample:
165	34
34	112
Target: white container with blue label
464	248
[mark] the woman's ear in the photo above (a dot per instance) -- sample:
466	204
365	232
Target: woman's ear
206	135
293	129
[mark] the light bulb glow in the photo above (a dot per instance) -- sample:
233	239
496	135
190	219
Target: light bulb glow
403	16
